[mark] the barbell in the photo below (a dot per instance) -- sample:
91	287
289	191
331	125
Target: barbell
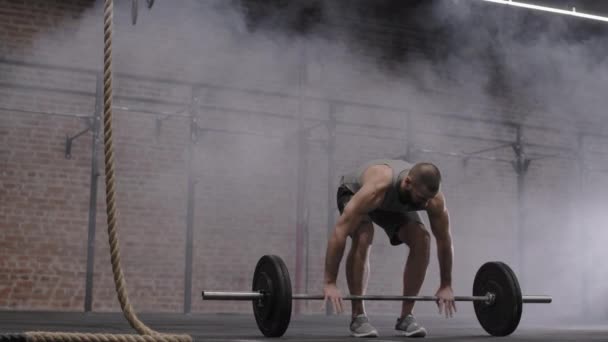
496	298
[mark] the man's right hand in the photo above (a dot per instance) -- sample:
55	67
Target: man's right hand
332	293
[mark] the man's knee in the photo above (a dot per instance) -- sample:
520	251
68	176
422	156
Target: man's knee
363	237
416	237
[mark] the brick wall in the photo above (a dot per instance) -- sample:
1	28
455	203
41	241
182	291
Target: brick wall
245	192
44	207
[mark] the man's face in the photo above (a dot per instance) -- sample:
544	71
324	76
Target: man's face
415	195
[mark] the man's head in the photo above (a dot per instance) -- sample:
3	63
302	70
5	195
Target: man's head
421	184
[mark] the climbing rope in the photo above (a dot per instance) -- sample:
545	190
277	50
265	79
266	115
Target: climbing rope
146	334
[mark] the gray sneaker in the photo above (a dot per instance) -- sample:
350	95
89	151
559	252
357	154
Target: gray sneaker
360	327
409	327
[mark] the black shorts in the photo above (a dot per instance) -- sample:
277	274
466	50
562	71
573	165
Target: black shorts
390	221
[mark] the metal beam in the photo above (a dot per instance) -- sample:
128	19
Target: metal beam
520	165
331	174
191	191
46	89
284	95
48	66
21	110
88	296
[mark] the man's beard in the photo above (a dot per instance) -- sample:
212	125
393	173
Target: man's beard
405	197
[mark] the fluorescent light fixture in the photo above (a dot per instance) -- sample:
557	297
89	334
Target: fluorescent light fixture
573	12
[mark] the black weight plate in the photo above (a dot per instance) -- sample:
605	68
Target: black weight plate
273	312
263	283
502	317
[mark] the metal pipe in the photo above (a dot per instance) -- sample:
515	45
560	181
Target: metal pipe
490	297
88	296
301	195
31	87
442	114
536	299
31	111
486	298
189	232
520	165
191	204
211	295
585	235
331	175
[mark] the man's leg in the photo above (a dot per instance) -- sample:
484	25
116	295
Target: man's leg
418	240
357	264
357	274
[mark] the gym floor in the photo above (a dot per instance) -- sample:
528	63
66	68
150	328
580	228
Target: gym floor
232	327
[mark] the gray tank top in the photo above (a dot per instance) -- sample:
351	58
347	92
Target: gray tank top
352	181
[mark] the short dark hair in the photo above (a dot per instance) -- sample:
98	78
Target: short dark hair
426	174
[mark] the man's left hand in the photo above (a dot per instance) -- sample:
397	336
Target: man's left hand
445	301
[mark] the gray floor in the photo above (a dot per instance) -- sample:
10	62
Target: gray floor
241	328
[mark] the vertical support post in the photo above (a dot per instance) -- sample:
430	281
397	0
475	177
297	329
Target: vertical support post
191	181
301	194
408	136
331	174
585	236
88	293
301	179
520	165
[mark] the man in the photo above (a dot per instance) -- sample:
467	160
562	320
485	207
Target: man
389	192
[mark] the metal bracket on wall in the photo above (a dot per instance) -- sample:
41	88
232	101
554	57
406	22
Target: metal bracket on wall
469	155
196	130
135	9
159	119
521	163
69	139
160	116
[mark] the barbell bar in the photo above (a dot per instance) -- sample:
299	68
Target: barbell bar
496	298
246	296
214	295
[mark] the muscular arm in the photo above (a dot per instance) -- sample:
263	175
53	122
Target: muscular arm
439	219
369	197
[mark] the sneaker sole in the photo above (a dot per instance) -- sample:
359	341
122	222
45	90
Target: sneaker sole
372	333
416	333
